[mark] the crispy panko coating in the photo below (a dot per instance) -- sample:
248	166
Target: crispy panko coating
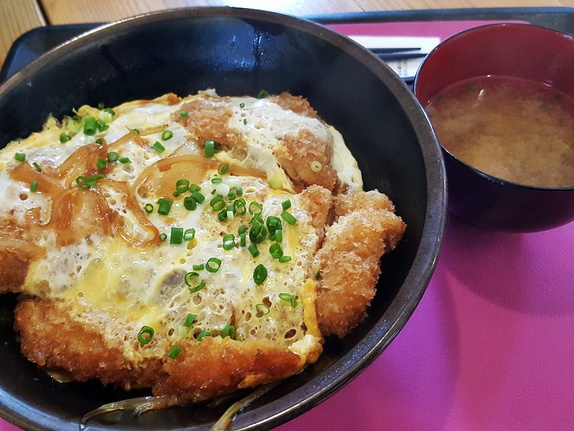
232	365
348	262
208	119
65	341
61	340
298	151
318	201
13	271
294	103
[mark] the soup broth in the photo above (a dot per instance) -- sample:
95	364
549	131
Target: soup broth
510	128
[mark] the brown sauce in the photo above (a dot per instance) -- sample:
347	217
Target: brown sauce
510	128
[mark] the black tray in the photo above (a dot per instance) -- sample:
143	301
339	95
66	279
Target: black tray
35	42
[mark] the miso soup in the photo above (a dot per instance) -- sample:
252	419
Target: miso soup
510	128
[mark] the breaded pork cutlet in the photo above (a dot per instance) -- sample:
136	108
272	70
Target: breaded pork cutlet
193	246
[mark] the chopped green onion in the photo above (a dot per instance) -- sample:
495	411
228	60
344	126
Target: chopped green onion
136	131
262	94
110	111
148	208
288	217
278	235
102	163
183	114
199	267
124	160
239	191
216	180
176	236
209	149
285	259
164	206
286	204
276	251
203	334
189	203
64	137
230	212
189	234
262	309
217	203
287	297
162	236
259	274
174	352
181	186
228	330
228	241
318	275
242	229
99	141
196	194
255	208
189	319
242	105
257	233
106	117
316	166
239	206
243	239
222	215
273	224
223	168
37	166
112	157
189	277
33	186
88	182
20	157
90	125
101	105
158	147
253	250
213	264
166	134
101	125
145	335
74	124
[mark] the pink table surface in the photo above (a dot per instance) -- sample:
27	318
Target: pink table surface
490	346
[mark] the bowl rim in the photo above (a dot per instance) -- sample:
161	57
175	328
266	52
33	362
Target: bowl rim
462	34
424	262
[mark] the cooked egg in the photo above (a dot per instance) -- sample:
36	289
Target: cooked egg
169	278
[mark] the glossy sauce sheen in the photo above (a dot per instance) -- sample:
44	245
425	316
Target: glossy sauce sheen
513	129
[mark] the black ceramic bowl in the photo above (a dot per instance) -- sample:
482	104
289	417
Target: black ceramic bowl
522	51
238	51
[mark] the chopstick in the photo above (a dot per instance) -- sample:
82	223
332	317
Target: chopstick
400	55
390	50
403	54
